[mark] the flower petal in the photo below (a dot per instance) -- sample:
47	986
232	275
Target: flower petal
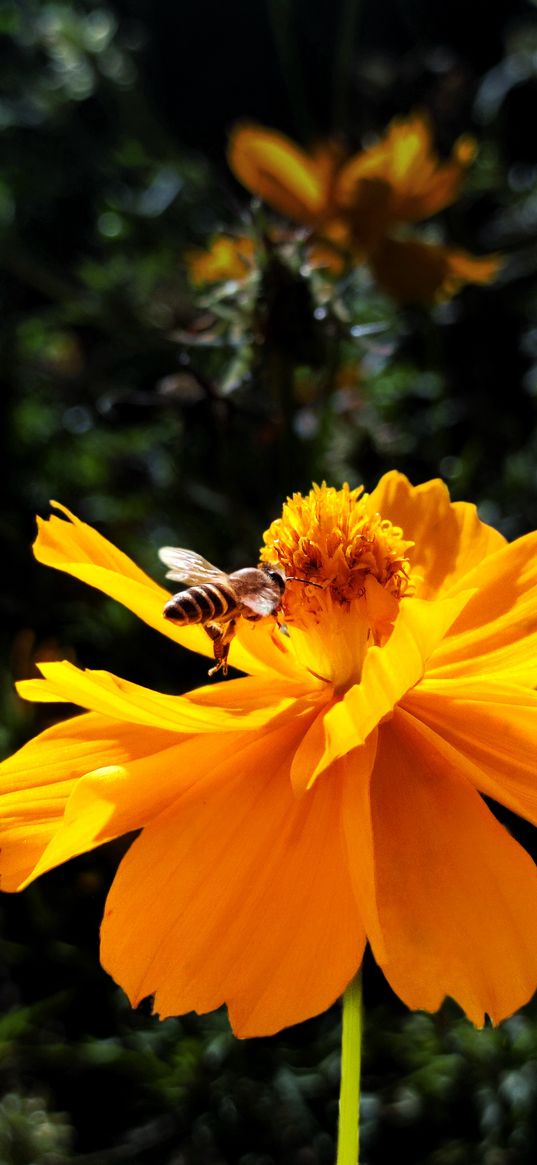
466	716
456	896
389	672
273	168
399	180
115	799
450	539
320	746
357	824
227	257
496	634
261	647
413	272
405	160
245	704
79	550
255	906
36	783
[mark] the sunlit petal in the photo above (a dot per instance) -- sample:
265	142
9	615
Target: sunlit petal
449	537
247	705
496	633
79	550
388	673
257	898
456	896
38	780
488	730
115	799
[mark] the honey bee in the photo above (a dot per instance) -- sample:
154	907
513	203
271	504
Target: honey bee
217	600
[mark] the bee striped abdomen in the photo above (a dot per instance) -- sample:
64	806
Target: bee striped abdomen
202	604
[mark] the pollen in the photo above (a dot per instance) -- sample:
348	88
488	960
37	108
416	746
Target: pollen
347	570
332	539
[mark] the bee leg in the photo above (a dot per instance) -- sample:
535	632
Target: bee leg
221	636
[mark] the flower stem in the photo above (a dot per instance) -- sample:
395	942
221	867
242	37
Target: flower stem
349	1094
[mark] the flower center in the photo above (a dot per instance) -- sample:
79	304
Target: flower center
347	571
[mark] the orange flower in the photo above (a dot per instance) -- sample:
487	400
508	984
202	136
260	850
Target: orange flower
228	257
331	795
400	180
354	205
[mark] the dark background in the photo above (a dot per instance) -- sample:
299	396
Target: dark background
114	119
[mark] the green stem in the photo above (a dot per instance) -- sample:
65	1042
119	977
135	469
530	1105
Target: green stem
349	1094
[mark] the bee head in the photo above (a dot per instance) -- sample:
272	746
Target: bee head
275	573
276	576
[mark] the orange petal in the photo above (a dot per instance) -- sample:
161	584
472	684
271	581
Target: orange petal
376	186
356	812
239	893
37	781
330	248
496	634
320	746
456	896
274	169
78	549
228	257
226	706
407	174
388	673
488	730
449	537
115	799
261	647
413	272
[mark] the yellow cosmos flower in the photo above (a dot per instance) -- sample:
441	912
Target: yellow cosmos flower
354	205
228	257
330	796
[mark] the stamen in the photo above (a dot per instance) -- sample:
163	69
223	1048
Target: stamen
323	679
340	558
331	540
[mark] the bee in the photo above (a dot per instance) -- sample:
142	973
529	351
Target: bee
217	600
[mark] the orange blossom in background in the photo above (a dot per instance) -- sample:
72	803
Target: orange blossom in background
357	207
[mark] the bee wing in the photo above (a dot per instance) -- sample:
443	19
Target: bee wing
262	602
188	567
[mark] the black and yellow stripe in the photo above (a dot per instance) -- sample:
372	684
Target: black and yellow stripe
203	603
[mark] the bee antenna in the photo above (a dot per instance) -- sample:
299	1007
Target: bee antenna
307	582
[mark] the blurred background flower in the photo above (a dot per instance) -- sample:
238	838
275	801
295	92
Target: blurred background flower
352	205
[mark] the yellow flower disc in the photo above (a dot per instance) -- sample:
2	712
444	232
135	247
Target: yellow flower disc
338	554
